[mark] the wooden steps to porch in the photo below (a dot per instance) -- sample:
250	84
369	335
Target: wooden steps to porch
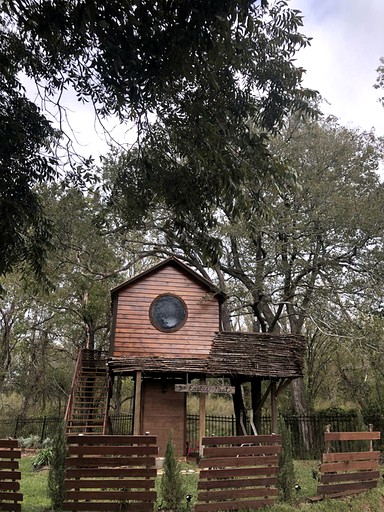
88	400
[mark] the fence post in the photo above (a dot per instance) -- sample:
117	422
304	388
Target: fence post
327	443
370	428
43	430
16	427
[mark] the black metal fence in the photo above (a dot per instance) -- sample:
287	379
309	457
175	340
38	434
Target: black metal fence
307	431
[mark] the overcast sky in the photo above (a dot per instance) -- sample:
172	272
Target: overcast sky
341	63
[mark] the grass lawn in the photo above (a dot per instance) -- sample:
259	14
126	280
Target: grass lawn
34	488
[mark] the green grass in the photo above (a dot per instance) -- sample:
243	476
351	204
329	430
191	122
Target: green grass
34	488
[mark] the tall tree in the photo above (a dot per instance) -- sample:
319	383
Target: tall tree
293	249
203	69
25	162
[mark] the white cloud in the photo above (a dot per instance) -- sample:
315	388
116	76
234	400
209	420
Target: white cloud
348	41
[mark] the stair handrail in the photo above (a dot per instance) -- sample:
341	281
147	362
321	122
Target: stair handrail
106	405
75	378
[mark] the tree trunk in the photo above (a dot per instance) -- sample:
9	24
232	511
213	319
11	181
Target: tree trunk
238	405
256	399
300	406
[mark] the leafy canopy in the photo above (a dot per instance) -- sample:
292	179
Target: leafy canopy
208	78
25	135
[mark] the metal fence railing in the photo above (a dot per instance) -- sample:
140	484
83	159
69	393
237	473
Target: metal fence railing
312	427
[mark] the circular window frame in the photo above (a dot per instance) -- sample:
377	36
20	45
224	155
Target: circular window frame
172	329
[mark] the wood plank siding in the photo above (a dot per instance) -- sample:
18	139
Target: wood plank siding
133	334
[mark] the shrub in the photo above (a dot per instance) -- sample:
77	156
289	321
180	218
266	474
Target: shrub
56	474
33	441
43	458
286	481
172	487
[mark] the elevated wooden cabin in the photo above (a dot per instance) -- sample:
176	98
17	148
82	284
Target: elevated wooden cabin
167	330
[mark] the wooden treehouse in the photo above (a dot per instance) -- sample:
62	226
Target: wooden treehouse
166	334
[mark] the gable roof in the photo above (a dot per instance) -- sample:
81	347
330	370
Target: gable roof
176	263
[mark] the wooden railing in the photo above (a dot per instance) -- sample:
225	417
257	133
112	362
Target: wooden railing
75	378
10	496
238	472
110	473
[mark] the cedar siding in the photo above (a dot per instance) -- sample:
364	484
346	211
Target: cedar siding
133	334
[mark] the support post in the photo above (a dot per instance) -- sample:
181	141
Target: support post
275	427
137	404
327	443
202	407
370	429
256	401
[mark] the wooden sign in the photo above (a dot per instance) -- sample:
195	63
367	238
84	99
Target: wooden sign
204	388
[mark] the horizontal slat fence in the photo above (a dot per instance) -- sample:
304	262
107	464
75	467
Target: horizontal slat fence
121	424
110	473
238	474
347	473
10	495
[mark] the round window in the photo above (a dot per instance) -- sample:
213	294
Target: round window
168	313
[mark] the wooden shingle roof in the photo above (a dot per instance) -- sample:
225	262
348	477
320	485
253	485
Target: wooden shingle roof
248	354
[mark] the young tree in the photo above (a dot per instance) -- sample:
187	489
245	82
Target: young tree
172	486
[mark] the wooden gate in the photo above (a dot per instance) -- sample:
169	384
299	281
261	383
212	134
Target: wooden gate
238	472
347	473
110	473
10	496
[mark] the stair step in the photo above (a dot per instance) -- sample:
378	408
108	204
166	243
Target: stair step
89	398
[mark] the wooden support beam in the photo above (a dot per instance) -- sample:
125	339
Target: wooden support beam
202	407
137	405
275	427
263	400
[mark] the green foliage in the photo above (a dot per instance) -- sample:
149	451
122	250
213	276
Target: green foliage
172	485
286	481
32	441
25	162
152	56
43	458
57	470
217	75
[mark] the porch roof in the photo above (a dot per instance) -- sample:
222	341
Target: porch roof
248	354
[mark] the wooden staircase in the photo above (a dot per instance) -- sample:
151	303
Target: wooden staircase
88	402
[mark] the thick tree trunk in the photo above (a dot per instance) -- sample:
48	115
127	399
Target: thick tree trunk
301	409
256	399
238	405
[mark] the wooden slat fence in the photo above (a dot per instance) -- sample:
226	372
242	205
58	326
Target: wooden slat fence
238	472
110	473
10	495
347	473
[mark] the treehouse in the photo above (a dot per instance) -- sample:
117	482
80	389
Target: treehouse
167	335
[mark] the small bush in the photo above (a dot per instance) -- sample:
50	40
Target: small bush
172	486
286	481
57	470
43	458
32	441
